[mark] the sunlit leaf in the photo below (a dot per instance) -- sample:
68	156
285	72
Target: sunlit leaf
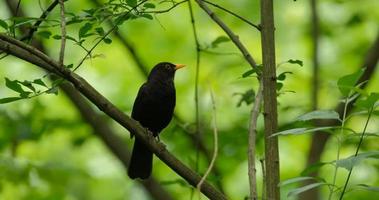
319	114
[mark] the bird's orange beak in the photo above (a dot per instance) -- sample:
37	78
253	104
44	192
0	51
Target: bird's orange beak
178	66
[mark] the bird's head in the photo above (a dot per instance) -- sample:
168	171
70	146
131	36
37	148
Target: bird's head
164	71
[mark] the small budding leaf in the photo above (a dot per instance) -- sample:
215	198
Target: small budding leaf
346	83
319	114
298	62
147	16
107	40
219	40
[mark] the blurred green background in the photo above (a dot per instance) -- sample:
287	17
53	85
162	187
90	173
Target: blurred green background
49	152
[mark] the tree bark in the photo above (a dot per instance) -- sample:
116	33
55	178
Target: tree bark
269	100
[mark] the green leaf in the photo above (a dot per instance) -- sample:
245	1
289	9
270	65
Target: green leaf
279	86
57	37
131	3
45	34
14	85
248	97
3	24
298	131
147	16
28	84
219	40
298	62
83	31
299	190
368	102
294	180
107	40
346	83
319	114
9	99
39	82
313	168
53	90
282	76
100	31
149	5
248	73
350	162
367	187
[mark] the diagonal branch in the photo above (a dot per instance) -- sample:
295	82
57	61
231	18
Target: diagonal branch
32	55
193	137
102	129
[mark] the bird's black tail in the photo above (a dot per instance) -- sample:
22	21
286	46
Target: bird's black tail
141	163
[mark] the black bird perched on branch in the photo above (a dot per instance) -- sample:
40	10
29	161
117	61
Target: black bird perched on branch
153	108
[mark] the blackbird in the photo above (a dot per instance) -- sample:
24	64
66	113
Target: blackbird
153	109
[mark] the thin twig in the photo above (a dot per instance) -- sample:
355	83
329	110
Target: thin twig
43	16
32	55
234	14
356	152
63	33
215	140
166	10
230	33
251	142
197	44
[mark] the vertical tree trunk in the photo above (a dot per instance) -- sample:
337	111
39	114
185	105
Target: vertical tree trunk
269	99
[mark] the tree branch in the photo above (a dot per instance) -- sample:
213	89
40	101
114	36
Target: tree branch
269	99
251	142
193	137
34	56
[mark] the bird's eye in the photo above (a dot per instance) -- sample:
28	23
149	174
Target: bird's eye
167	66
